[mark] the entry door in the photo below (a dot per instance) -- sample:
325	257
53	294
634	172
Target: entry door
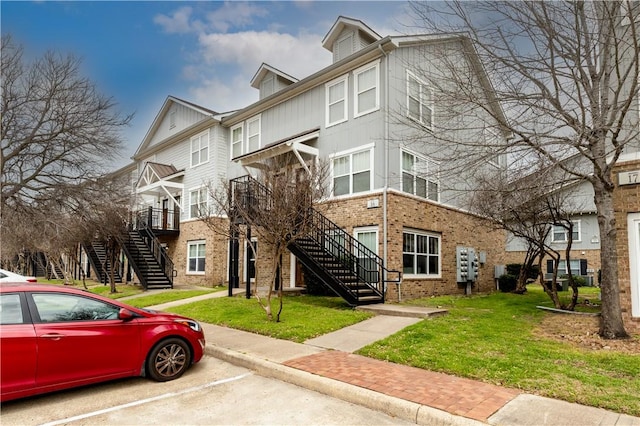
165	213
250	271
633	226
367	237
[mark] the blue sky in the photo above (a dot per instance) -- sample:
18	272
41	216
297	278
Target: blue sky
204	52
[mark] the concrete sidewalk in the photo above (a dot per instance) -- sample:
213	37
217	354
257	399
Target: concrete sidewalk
327	365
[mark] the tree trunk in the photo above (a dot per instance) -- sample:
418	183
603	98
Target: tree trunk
611	324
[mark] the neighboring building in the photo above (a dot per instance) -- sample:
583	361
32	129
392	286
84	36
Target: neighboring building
626	177
360	114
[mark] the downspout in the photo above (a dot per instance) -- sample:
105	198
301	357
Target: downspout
385	248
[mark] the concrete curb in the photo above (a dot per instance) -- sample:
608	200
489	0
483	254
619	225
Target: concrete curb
396	407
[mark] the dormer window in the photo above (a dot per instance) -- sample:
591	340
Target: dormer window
344	47
267	86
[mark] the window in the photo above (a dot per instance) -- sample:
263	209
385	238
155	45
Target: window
352	173
420	253
253	134
196	257
367	96
336	93
200	149
10	309
267	86
69	307
559	234
236	141
419	101
420	176
344	47
198	202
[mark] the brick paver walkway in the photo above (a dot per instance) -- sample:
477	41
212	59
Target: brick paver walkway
455	395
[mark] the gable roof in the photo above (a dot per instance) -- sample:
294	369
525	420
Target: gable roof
344	22
266	69
163	112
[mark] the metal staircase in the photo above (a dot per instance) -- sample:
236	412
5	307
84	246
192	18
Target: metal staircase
338	260
149	259
97	254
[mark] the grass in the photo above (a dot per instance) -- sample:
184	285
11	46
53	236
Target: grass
492	338
168	296
303	317
122	290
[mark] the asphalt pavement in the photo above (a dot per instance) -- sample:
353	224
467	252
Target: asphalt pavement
327	364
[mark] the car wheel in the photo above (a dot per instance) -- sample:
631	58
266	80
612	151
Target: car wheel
168	360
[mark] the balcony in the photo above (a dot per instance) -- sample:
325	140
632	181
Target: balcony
160	221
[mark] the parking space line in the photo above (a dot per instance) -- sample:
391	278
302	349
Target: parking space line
147	400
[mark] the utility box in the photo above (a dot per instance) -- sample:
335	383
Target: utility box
466	265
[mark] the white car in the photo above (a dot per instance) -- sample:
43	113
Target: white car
11	277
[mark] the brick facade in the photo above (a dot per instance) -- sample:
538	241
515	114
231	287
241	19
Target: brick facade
455	228
626	200
216	256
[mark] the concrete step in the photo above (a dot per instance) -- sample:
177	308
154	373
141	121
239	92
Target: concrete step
402	310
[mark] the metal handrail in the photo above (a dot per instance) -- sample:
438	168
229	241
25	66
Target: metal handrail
159	219
353	255
159	253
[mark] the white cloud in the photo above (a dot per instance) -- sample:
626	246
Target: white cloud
179	22
234	14
298	56
224	95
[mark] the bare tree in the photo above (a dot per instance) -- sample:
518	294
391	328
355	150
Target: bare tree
276	207
567	74
57	129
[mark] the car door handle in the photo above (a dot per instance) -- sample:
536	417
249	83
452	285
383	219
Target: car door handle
54	336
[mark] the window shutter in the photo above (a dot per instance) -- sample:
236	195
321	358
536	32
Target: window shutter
549	266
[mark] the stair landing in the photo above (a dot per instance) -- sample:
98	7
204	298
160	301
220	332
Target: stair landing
402	310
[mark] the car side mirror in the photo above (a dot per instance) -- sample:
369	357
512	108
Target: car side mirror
125	315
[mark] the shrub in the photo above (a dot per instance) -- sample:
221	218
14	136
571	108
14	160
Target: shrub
514	269
507	283
579	281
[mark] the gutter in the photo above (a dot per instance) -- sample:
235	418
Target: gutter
326	74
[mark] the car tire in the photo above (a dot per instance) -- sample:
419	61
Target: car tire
168	360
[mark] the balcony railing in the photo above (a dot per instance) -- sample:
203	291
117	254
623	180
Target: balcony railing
157	219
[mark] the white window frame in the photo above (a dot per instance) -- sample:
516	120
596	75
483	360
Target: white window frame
557	229
424	99
200	191
200	148
239	142
196	243
367	230
350	153
357	92
430	176
345	99
250	135
427	234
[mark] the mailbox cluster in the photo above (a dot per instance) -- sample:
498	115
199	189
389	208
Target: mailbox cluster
466	265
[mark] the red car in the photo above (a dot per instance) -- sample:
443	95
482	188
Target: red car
55	337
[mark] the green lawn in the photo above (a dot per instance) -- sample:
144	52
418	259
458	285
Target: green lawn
303	317
492	338
167	296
